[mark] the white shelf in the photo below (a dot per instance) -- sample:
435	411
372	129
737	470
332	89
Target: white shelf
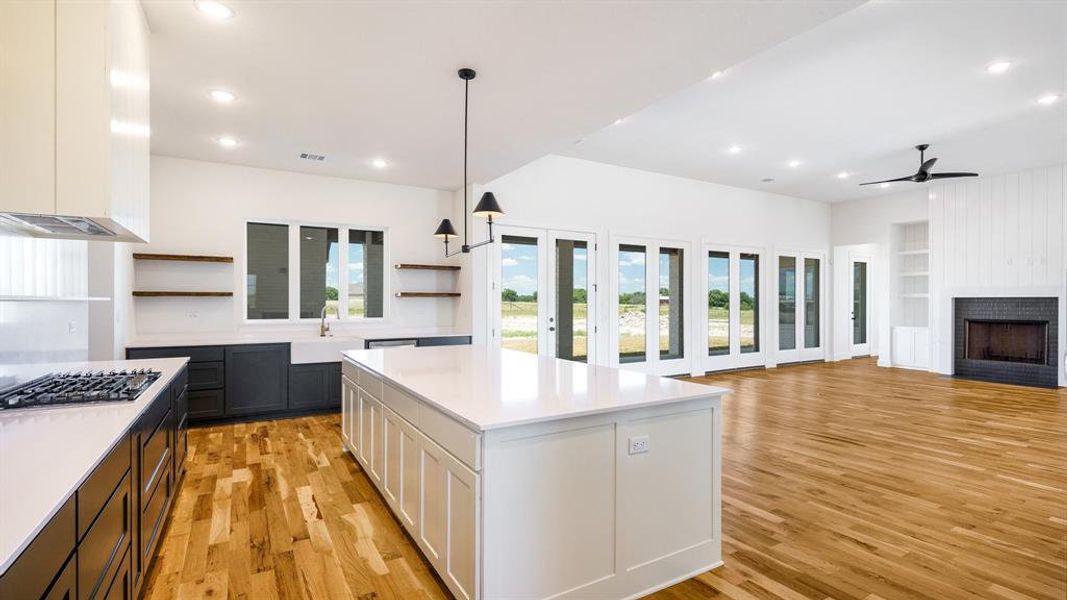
916	274
915	295
913	252
53	299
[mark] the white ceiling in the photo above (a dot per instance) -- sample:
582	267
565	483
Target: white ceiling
359	80
856	93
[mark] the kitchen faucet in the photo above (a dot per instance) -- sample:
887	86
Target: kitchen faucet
323	327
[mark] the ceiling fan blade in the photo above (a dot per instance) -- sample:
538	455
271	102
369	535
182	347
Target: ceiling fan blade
951	175
908	178
923	168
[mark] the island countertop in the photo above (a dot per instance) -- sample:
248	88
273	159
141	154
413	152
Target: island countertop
46	453
489	388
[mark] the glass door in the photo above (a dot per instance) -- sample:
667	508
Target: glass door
861	318
799	327
543	292
732	278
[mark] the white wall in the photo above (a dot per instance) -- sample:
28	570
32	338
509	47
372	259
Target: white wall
1000	235
573	194
201	208
864	227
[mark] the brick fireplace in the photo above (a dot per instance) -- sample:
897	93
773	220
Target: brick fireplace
1007	340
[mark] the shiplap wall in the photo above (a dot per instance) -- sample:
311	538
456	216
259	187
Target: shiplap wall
39	267
997	235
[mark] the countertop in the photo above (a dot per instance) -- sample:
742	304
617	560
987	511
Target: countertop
46	453
488	388
307	333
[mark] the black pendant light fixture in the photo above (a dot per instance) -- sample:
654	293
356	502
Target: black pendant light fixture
488	208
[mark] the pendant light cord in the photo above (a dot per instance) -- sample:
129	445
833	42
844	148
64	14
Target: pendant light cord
466	99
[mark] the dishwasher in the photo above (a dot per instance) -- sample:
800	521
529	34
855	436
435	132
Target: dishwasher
371	344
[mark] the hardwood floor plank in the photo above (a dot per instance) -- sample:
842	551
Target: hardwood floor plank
840	480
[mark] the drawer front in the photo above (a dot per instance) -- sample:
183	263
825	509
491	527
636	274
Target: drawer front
122	583
37	566
154	455
154	514
350	370
461	442
66	585
98	488
445	340
104	545
181	381
181	447
370	382
401	402
207	375
195	353
205	404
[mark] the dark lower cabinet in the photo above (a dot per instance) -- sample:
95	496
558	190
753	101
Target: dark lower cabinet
206	404
314	386
257	379
66	585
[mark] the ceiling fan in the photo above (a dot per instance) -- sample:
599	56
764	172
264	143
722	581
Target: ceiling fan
924	174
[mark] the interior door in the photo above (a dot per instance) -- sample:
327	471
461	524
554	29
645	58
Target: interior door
569	303
859	332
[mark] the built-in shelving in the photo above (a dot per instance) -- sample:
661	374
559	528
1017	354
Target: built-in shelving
176	294
417	267
910	311
427	294
182	257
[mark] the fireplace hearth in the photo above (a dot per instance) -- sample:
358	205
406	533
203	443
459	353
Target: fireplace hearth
1007	340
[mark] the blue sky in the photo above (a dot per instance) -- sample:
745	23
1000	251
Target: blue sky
719	275
518	265
355	264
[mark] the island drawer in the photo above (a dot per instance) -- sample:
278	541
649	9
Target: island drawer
32	572
370	382
154	455
459	441
104	546
401	402
98	487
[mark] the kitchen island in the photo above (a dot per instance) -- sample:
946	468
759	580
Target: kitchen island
527	476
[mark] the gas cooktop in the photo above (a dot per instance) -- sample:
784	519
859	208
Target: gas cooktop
77	388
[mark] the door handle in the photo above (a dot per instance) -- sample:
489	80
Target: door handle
551	328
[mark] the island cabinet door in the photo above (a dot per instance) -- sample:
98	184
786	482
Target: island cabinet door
448	517
366	435
377	452
346	413
400	478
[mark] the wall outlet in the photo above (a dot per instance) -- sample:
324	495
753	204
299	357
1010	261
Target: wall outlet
639	444
191	315
72	327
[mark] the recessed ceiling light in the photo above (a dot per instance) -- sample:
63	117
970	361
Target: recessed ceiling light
884	185
226	141
619	121
1048	99
214	10
716	75
767	179
734	149
794	164
222	96
842	175
999	67
379	163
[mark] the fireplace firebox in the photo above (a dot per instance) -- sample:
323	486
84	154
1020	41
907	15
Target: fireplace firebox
1008	340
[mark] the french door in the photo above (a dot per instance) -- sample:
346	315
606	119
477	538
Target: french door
799	277
859	332
732	283
648	307
543	292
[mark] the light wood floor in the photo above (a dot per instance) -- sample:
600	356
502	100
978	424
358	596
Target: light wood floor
840	480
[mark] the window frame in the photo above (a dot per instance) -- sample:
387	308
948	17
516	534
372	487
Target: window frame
735	359
800	353
294	272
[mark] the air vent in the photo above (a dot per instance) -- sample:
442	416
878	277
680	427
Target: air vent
310	156
64	226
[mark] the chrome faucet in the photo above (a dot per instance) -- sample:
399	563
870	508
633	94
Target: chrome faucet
323	327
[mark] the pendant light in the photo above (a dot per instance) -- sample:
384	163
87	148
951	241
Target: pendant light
488	208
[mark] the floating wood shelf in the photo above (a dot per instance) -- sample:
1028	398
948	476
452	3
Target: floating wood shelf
155	294
428	267
427	294
183	257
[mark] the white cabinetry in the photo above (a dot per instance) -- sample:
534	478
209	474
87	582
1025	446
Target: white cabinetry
74	114
434	494
909	313
911	347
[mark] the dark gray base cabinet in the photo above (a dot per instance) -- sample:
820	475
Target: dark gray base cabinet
257	379
315	386
96	547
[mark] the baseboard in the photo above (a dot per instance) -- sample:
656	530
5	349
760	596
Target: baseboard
676	580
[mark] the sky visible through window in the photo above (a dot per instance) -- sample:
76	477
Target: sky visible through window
519	262
632	272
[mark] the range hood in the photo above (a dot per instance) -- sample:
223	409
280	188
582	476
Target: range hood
58	227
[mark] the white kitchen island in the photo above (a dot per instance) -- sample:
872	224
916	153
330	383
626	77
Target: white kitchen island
530	477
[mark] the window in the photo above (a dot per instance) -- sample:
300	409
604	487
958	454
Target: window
267	274
572	302
811	303
671	306
518	293
348	284
787	302
632	312
749	300
718	303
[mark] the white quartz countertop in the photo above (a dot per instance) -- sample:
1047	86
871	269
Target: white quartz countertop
46	453
308	333
489	388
